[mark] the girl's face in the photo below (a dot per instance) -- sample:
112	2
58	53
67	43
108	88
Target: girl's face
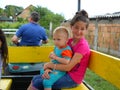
0	43
60	40
78	29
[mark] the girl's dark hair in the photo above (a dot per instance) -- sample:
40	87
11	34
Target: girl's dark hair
4	48
80	16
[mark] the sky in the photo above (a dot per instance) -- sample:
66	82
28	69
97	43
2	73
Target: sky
67	8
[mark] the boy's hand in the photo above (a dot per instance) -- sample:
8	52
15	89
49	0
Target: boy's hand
52	55
46	74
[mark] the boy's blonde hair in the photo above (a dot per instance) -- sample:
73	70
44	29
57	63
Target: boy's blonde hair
63	30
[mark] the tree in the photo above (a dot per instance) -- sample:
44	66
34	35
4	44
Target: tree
47	16
1	12
12	10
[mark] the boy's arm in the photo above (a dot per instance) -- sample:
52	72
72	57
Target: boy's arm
66	54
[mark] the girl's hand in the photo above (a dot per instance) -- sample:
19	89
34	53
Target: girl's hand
48	65
46	74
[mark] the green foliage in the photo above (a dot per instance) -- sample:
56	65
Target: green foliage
11	10
12	25
20	19
1	12
46	16
8	38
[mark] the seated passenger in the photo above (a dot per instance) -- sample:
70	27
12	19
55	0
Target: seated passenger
31	34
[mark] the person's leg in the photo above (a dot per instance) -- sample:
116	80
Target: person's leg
36	83
54	76
30	87
64	82
47	88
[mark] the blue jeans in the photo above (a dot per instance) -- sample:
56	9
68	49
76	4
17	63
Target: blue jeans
63	82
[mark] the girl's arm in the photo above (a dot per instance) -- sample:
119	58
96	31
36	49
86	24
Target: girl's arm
62	60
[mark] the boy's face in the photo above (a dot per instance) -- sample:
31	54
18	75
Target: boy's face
60	40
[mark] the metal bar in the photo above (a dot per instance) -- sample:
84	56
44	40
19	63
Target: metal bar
12	30
9	32
79	5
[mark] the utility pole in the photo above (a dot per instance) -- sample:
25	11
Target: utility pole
79	5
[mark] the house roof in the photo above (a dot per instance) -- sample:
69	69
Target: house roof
108	15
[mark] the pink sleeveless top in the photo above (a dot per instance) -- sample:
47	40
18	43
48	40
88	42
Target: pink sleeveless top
78	71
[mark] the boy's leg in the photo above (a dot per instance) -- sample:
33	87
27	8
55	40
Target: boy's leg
54	76
37	82
30	87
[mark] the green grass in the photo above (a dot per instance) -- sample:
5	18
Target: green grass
97	82
8	38
91	78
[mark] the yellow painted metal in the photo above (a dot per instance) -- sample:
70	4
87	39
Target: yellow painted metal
106	66
80	87
5	84
29	54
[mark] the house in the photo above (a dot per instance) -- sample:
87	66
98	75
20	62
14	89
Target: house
5	19
104	33
26	12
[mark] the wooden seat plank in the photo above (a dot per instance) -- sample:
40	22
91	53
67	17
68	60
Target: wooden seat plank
29	54
5	84
106	66
79	87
